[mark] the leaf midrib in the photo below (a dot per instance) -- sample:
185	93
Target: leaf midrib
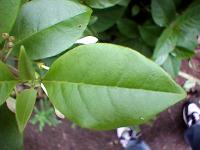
65	82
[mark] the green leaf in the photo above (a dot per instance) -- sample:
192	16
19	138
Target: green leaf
165	44
128	28
187	27
172	66
181	33
26	70
24	106
7	82
135	10
48	27
163	11
150	33
8	14
104	86
101	4
10	137
107	18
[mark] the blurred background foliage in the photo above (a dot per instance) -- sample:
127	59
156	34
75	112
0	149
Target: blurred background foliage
163	30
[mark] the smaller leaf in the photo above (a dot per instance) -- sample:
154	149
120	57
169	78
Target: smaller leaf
24	107
163	11
172	65
128	28
165	44
150	33
107	18
135	10
26	70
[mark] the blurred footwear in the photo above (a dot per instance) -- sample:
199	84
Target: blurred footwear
191	114
125	135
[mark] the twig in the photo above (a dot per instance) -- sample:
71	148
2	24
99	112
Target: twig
14	70
189	77
7	55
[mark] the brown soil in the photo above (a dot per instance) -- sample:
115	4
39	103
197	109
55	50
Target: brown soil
165	133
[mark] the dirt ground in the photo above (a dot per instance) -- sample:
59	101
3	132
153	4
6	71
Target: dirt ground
164	133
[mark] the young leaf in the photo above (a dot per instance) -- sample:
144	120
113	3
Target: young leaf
163	11
105	86
7	82
10	137
26	70
8	14
101	4
48	27
24	106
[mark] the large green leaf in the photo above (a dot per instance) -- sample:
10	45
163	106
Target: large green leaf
106	18
10	137
100	4
26	70
48	27
7	82
8	13
24	106
163	11
104	86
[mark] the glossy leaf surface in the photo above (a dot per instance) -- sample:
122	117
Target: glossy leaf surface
8	14
24	106
104	86
48	27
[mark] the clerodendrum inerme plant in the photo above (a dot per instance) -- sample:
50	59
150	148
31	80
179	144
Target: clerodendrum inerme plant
98	86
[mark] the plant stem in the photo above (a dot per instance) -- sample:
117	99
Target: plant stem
7	55
189	77
14	70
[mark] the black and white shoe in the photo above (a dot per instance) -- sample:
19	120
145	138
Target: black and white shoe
126	134
191	114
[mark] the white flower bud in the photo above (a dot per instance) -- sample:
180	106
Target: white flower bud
11	104
87	40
